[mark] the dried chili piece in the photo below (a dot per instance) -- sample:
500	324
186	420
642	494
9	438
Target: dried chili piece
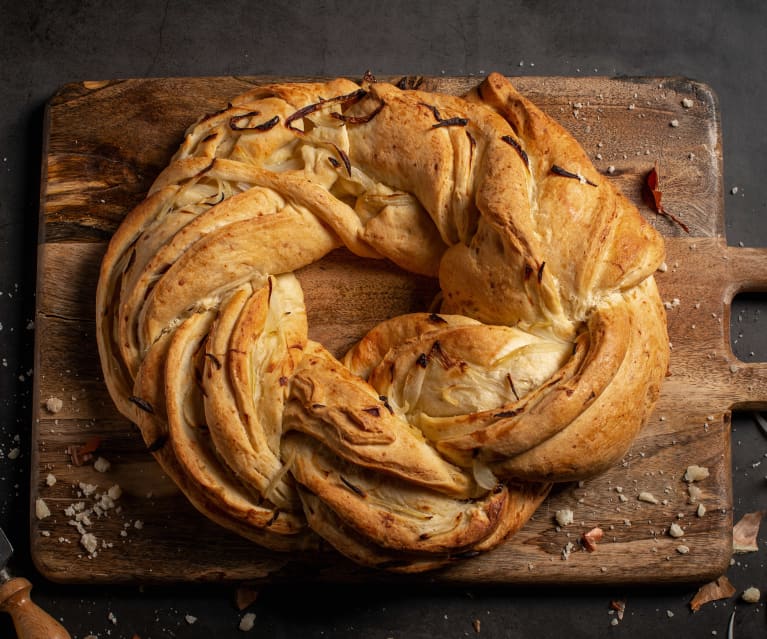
158	443
409	82
83	454
456	121
347	98
344	158
589	539
358	119
141	403
214	359
385	401
355	489
558	170
518	148
234	122
652	196
442	122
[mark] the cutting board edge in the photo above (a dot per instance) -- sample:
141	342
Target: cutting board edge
37	408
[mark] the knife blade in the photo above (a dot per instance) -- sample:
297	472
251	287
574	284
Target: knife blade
30	621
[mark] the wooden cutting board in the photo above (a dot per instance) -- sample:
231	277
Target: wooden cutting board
104	144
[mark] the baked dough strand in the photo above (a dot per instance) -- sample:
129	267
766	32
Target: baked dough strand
438	434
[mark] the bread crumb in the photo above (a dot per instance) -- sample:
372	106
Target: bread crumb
687	103
50	480
112	618
674	123
564	517
14	453
248	621
751	595
695	473
675	530
190	619
647	497
115	492
53	405
41	509
701	510
477	625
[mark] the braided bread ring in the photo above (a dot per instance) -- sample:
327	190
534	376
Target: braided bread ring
438	434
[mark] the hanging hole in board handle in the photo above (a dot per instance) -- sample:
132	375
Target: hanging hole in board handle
747	269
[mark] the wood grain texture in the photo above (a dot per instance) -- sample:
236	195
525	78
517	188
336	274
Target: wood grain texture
105	143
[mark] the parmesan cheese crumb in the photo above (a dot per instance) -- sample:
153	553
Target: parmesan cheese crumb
41	509
682	550
564	517
687	103
695	473
89	542
701	510
190	619
101	465
88	489
751	595
53	404
247	622
647	497
50	480
675	530
695	494
674	123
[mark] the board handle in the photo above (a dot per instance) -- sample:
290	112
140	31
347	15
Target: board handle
748	274
30	621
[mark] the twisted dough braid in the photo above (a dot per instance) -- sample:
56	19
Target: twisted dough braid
438	434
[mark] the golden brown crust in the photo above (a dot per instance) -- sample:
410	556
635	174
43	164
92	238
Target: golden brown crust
438	434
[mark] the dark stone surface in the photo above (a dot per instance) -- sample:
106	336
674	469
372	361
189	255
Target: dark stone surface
44	44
